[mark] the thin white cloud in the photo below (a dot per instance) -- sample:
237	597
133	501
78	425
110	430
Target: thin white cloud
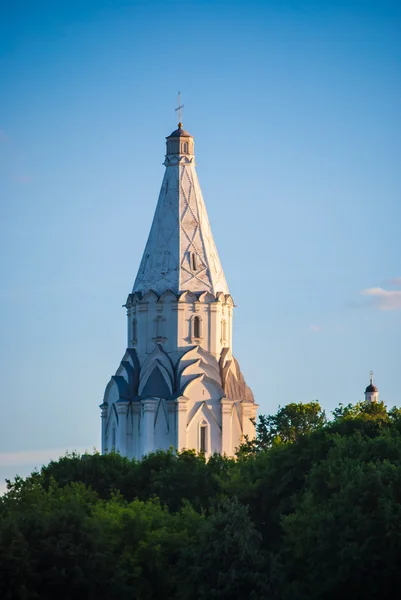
33	457
384	299
396	281
315	328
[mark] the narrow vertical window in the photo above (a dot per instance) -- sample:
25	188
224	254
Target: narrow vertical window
113	439
134	331
165	262
185	147
196	327
194	262
203	438
159	327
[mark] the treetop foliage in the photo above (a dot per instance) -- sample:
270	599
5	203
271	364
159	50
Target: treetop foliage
310	510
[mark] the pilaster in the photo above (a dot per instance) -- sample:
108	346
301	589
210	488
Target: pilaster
182	417
179	309
172	421
214	335
226	412
121	441
104	407
129	326
141	326
136	430
149	408
248	412
230	326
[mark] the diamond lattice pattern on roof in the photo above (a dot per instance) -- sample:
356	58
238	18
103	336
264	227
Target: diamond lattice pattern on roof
180	253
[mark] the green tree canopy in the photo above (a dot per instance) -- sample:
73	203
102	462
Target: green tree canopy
287	425
309	510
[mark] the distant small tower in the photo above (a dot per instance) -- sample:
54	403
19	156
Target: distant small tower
371	392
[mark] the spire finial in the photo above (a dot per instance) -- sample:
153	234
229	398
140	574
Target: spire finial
371	377
178	110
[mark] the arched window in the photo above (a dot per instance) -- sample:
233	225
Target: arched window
196	327
194	261
134	331
185	147
165	262
203	437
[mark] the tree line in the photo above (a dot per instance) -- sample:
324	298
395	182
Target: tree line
309	510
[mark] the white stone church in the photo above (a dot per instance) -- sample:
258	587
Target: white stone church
178	384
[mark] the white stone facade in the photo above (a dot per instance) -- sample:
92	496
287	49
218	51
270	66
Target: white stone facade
179	321
180	253
178	384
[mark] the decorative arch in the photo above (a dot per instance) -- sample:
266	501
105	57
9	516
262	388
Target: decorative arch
202	377
168	296
157	385
204	417
229	300
122	386
203	437
108	391
150	296
187	297
118	387
134	298
209	364
132	376
160	359
111	429
207	297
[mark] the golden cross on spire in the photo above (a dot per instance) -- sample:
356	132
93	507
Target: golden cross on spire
178	110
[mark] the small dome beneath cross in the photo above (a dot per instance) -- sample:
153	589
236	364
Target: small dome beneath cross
180	132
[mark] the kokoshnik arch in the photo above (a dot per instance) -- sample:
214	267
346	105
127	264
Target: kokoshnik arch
178	384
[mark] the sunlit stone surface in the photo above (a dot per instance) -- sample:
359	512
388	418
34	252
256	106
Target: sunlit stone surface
178	383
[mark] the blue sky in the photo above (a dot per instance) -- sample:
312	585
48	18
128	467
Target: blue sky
295	109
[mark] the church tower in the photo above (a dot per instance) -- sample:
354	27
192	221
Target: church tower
371	392
178	383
